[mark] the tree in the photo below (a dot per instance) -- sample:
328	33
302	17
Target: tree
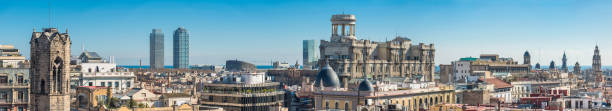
132	103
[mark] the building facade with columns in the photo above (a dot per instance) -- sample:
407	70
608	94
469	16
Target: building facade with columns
398	57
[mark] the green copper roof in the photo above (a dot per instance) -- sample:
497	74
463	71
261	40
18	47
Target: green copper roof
468	59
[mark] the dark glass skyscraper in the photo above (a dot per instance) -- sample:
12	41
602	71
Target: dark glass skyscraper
180	49
310	53
156	49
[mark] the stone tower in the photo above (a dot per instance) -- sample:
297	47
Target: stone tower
577	68
49	70
597	66
552	65
564	65
596	60
527	58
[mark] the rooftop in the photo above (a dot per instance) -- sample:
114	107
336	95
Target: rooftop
497	83
173	95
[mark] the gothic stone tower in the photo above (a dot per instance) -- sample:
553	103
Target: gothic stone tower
527	58
597	66
49	71
564	65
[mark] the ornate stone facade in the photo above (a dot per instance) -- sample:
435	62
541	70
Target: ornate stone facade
50	56
397	57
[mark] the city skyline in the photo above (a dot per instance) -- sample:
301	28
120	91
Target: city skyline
458	29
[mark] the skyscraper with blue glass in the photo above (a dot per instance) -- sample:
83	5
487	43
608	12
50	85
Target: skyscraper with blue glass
180	49
310	53
156	49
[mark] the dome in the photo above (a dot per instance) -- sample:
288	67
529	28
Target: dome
327	77
365	85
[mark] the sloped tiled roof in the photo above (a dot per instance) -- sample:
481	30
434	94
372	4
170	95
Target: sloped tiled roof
173	95
496	82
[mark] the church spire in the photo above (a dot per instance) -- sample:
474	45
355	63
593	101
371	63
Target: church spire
564	61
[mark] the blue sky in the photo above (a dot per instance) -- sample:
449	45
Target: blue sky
262	31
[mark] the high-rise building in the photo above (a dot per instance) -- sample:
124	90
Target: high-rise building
156	49
527	58
564	65
49	70
310	53
180	57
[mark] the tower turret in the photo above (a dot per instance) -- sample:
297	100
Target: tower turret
343	27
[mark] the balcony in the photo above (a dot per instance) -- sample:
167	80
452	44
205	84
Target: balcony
14	85
4	102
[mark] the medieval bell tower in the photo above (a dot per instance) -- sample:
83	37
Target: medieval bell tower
49	70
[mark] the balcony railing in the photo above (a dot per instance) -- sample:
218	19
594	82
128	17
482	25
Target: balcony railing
14	85
5	101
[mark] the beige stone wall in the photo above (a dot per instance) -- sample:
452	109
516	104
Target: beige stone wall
50	61
183	107
409	101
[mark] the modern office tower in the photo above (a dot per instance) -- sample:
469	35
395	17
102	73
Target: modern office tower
49	70
156	49
527	58
180	48
310	53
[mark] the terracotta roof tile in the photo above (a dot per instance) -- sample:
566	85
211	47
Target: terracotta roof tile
496	82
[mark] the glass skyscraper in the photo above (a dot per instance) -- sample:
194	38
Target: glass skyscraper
310	53
180	49
156	49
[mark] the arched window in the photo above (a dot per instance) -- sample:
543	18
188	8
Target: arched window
58	74
436	102
346	107
42	86
326	105
336	105
97	69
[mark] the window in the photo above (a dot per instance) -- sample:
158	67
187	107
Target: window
326	105
3	79
110	84
346	106
128	84
20	95
3	97
90	83
116	84
336	104
20	79
102	83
